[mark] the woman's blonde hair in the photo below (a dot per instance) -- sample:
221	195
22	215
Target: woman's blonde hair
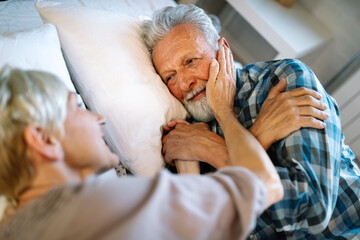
26	98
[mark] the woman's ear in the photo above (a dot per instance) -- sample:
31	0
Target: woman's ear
44	144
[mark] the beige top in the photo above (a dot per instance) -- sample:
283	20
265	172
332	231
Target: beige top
222	205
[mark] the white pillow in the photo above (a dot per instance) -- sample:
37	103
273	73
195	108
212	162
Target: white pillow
112	70
37	49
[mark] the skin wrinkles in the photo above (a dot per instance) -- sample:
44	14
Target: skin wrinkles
182	59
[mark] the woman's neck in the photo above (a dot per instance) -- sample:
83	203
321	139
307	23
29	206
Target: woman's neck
47	178
33	193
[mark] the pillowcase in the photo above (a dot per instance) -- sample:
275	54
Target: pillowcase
112	70
36	49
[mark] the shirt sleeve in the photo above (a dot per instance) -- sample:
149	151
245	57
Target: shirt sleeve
308	161
221	205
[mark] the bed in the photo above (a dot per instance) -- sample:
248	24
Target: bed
95	48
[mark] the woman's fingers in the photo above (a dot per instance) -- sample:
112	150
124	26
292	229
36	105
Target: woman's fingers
214	70
228	61
222	60
221	85
232	66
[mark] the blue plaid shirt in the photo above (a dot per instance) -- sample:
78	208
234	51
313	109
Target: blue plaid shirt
318	172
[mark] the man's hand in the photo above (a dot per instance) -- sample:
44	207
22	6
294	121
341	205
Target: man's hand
171	125
282	113
194	142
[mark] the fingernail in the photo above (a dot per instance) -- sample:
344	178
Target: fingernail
213	63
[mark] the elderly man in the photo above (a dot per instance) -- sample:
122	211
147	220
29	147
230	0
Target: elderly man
49	145
318	172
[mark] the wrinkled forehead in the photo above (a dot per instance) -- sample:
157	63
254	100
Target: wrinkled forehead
183	39
182	32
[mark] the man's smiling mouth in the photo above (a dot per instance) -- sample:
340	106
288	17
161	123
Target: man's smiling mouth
196	94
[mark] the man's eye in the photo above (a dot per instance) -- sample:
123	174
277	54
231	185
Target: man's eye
168	79
190	61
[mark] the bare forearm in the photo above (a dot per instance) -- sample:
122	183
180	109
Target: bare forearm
245	151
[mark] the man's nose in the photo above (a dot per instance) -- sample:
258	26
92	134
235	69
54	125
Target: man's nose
186	81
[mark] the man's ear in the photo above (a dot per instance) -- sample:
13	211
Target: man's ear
48	146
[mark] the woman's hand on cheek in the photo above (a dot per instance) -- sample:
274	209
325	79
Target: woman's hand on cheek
221	87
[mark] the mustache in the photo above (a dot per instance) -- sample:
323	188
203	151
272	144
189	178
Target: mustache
194	92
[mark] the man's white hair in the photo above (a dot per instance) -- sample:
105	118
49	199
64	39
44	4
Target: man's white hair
163	20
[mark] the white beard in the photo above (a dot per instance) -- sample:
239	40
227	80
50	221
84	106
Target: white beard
199	110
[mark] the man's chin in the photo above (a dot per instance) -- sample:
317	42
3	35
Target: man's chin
199	110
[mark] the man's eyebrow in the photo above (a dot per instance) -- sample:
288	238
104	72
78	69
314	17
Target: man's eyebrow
165	72
182	59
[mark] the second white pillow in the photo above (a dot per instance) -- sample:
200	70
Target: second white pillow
113	72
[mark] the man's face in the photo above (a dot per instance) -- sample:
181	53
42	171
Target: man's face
83	142
182	59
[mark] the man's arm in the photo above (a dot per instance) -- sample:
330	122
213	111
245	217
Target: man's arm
280	115
285	112
307	160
